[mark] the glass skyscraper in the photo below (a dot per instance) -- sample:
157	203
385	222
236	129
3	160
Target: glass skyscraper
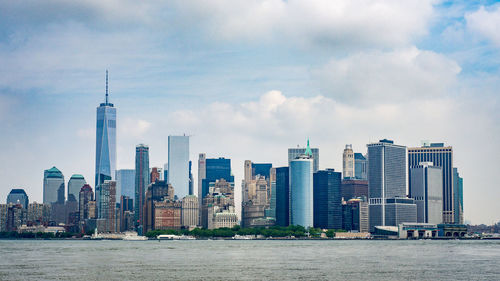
301	191
75	183
427	191
125	183
105	159
327	199
53	186
282	196
216	169
18	196
458	196
178	164
141	180
360	165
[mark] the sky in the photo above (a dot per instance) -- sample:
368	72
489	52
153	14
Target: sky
247	79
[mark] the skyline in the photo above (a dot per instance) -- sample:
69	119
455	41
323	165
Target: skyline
250	92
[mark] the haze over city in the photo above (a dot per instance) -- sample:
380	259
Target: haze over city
248	81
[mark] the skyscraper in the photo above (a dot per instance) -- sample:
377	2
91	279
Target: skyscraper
125	183
141	180
282	184
216	169
105	161
53	186
327	199
348	162
293	153
106	205
440	156
178	164
85	196
360	166
75	183
301	190
427	191
458	196
202	173
18	196
387	181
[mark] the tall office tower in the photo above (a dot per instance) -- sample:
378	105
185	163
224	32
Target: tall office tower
360	166
301	191
263	169
178	164
202	174
282	196
440	156
53	186
191	180
155	174
327	199
355	215
271	211
293	153
38	213
458	197
106	206
85	195
215	169
190	211
427	191
125	183
105	154
348	162
18	196
141	180
387	166
75	183
126	213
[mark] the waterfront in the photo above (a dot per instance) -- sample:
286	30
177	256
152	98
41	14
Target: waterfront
249	260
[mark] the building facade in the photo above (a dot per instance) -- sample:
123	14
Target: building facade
178	164
53	186
458	196
360	167
354	188
75	183
18	196
427	191
105	161
301	191
440	156
125	182
327	199
348	162
141	181
190	211
85	196
282	184
355	215
296	152
106	205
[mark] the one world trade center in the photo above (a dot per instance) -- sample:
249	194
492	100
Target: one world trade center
105	155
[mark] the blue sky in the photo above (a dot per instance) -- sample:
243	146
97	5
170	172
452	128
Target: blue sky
248	79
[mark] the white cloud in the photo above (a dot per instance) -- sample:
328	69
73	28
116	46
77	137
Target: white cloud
129	127
319	22
486	22
381	77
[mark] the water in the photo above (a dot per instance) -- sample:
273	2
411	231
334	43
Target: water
249	260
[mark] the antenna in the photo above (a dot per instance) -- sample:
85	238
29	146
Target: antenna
106	86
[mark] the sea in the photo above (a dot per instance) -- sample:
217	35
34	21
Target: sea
250	260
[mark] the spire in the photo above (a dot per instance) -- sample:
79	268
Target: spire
106	86
308	149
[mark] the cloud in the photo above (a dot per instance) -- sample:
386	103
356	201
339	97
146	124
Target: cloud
388	77
486	22
317	22
135	128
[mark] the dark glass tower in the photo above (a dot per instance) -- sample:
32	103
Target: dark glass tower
105	155
216	169
141	180
327	199
282	196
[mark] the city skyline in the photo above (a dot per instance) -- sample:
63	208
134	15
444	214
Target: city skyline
245	95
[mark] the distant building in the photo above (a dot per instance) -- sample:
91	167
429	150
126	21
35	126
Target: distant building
18	196
354	188
141	181
126	213
202	174
293	153
220	199
440	156
167	214
125	183
458	197
190	211
3	217
301	190
75	183
157	191
86	195
282	184
225	219
106	205
348	162
355	215
178	164
39	214
327	199
427	191
15	217
53	186
215	169
156	174
387	185
360	167
105	161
